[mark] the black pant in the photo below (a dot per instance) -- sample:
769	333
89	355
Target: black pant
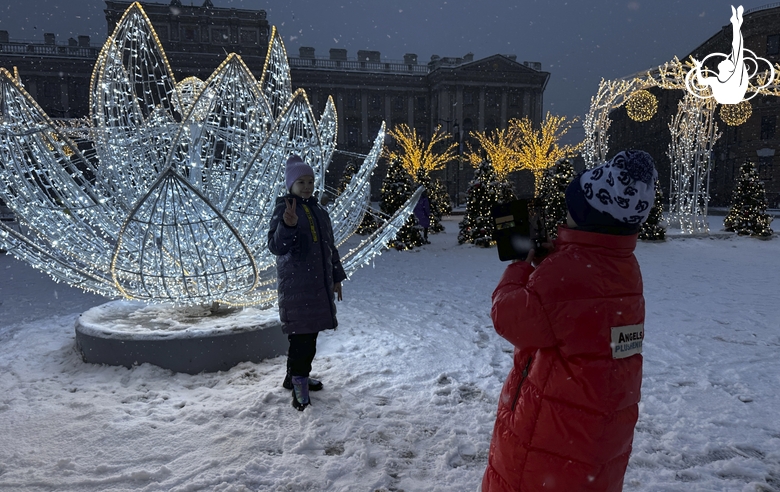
301	353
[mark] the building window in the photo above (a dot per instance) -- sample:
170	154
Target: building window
220	36
162	33
51	88
515	100
248	37
352	101
353	134
468	98
768	126
398	103
189	34
493	99
373	126
773	44
375	102
420	103
765	168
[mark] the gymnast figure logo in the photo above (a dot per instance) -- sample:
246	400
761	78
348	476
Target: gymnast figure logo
732	80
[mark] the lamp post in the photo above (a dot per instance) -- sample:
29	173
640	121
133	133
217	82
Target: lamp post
456	136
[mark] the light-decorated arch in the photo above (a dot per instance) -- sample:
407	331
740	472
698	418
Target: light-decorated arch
693	131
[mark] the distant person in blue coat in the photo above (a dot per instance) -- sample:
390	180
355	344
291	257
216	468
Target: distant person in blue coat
422	211
309	273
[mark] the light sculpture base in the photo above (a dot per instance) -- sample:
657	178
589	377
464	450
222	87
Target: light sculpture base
184	339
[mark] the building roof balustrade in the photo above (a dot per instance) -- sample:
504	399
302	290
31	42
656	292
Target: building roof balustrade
23	49
357	66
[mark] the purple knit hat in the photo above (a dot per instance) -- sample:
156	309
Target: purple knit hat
294	169
619	193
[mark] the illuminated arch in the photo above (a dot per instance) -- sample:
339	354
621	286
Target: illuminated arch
692	129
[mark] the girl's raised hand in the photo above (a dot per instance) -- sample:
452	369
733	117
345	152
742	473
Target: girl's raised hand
290	217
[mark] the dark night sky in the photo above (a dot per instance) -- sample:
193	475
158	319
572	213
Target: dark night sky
578	42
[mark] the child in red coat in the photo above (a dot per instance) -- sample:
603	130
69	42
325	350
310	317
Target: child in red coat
566	415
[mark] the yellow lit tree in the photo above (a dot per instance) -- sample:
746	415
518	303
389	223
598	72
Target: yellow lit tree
500	146
414	155
537	150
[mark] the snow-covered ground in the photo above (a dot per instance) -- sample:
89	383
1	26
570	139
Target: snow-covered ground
412	379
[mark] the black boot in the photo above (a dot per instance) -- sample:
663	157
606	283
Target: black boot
300	392
314	384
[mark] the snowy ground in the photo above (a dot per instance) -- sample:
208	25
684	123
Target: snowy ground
412	378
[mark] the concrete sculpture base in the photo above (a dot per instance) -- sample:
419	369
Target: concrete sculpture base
189	340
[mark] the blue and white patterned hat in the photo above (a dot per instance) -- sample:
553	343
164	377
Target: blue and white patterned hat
619	193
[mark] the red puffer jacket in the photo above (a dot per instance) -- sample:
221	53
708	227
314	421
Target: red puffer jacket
566	416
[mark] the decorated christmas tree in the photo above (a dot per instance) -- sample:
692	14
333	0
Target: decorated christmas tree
397	187
747	215
551	196
349	172
440	202
369	224
484	191
652	230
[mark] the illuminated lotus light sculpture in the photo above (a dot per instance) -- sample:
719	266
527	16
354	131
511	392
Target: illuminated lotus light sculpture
166	194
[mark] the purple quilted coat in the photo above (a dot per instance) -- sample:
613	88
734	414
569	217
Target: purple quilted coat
307	265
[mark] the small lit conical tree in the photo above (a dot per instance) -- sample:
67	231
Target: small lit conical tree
420	159
539	149
369	224
552	195
397	187
440	201
346	177
747	216
652	229
484	191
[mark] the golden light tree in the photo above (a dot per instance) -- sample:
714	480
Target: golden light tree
538	150
413	153
501	147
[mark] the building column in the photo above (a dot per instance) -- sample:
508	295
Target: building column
410	111
31	86
64	98
481	122
459	106
504	105
527	111
538	106
340	121
388	110
363	117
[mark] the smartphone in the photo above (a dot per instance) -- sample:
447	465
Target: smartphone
516	229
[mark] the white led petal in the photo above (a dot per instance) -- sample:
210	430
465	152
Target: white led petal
176	246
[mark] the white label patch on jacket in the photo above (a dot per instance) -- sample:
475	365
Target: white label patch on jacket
627	340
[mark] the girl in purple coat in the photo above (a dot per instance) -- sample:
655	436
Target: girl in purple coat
422	211
309	275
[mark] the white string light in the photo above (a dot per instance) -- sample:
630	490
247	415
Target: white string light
693	129
165	194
